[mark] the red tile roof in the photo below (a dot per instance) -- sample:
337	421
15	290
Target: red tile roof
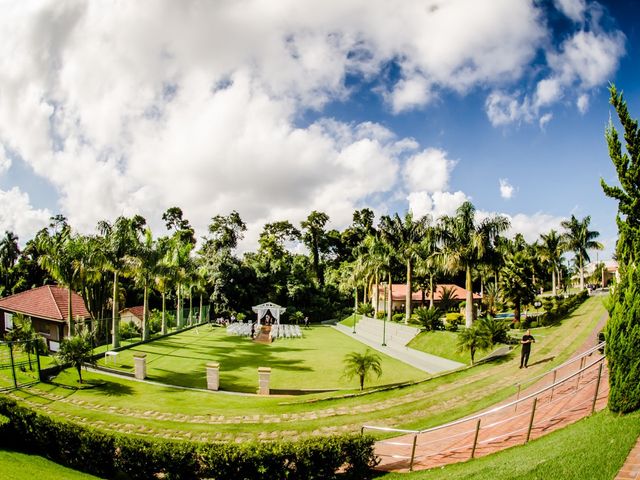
49	302
400	292
135	311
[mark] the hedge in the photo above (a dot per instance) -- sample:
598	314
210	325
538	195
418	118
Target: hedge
110	455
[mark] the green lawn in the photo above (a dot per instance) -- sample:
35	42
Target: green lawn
20	466
122	405
593	448
443	344
314	362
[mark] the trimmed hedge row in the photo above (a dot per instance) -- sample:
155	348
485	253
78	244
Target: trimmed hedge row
559	307
119	456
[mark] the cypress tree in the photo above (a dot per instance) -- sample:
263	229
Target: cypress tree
623	329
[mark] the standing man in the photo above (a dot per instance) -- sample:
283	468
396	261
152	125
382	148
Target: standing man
526	342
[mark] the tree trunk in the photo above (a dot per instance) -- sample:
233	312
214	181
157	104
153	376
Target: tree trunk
164	316
79	368
115	324
516	311
377	296
145	314
70	313
469	305
178	310
407	307
553	281
431	293
190	307
200	311
581	268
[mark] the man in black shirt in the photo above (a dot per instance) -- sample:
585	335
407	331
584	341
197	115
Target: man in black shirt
526	342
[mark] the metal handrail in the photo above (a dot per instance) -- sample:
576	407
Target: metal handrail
562	365
493	410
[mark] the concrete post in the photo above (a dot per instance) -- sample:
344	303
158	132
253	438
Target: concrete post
213	376
140	363
264	374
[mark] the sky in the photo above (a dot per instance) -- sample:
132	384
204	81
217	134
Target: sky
277	108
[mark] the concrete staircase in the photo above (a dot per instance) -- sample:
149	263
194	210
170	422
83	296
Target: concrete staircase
264	335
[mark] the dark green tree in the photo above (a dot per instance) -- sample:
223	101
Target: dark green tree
623	328
314	237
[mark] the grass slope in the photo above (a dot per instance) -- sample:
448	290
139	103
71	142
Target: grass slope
21	466
593	448
132	407
443	344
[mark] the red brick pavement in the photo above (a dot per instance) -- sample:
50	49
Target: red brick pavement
631	468
505	427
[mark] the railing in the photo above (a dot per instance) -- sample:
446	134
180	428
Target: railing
508	427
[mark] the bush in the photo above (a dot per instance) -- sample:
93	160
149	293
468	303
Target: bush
496	328
398	317
429	318
155	321
454	320
110	455
380	315
365	309
129	330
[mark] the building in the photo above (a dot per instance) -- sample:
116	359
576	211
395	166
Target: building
132	315
47	307
419	297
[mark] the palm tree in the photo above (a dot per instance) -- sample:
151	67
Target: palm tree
473	339
550	250
143	267
579	239
404	236
516	282
121	238
429	263
466	243
9	253
362	365
77	351
372	256
178	262
60	252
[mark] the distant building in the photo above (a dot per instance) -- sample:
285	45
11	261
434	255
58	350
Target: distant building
132	315
609	274
419	297
47	307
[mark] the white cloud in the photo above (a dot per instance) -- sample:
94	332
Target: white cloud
583	103
548	91
17	215
532	226
506	189
503	109
5	161
574	9
428	170
435	204
544	119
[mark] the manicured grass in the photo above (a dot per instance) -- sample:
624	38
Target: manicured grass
314	362
593	448
443	344
20	466
128	406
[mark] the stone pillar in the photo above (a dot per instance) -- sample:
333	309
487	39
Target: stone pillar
140	364
264	374
213	376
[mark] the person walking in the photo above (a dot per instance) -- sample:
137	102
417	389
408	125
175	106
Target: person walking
527	340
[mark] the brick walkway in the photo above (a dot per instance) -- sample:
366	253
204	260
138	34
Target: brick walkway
507	427
631	468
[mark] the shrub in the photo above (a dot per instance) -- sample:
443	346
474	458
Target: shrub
398	317
241	317
113	455
454	320
128	330
429	318
365	309
380	315
496	328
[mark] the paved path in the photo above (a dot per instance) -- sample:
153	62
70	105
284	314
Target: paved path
631	468
397	349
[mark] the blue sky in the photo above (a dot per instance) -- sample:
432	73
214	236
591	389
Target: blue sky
278	108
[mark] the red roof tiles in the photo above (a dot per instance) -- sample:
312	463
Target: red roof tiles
400	292
48	302
135	311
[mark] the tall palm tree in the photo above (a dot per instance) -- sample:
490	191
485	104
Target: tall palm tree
9	253
143	267
550	250
579	239
389	253
121	238
516	282
466	243
429	262
178	261
372	256
60	252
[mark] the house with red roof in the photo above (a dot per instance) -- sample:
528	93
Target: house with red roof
132	315
419	297
47	306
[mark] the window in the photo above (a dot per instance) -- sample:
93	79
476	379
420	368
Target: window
8	321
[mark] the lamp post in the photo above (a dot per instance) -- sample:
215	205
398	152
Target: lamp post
384	320
355	308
